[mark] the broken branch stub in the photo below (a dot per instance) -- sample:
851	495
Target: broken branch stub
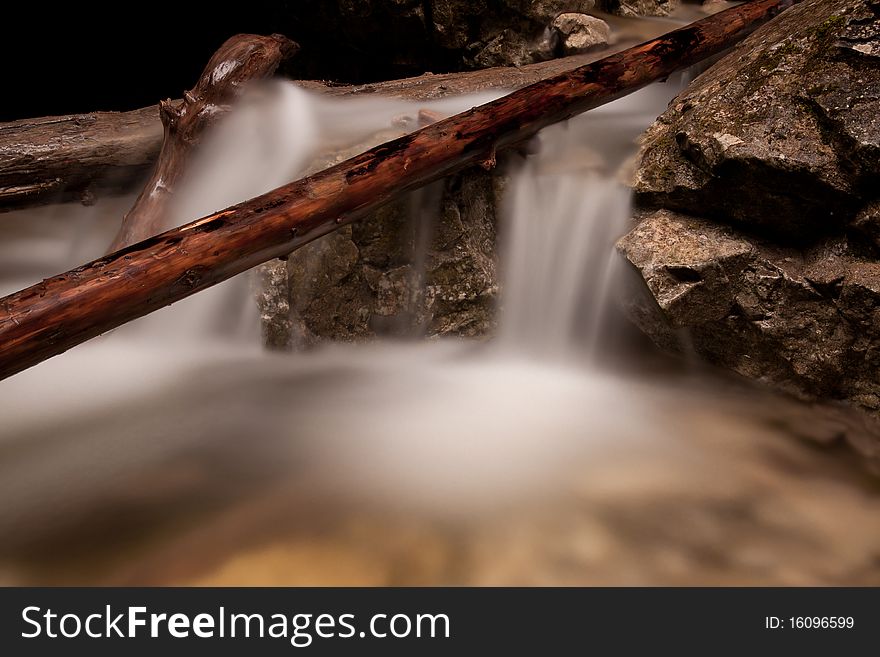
241	59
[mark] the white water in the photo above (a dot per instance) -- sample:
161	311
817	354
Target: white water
450	425
182	411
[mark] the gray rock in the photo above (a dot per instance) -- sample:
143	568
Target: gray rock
867	224
402	271
690	266
459	24
765	258
580	32
804	321
511	47
632	8
781	135
517	33
273	301
545	11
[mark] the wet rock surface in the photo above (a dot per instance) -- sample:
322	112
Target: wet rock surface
757	247
406	270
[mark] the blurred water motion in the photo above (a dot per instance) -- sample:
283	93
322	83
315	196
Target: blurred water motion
174	451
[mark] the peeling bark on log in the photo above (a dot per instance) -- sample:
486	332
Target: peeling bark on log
78	157
241	59
65	310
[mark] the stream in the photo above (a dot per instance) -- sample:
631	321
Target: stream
175	450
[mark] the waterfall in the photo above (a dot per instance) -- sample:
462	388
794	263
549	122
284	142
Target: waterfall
174	445
565	210
560	258
449	424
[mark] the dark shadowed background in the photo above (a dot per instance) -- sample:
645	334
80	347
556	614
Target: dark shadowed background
64	59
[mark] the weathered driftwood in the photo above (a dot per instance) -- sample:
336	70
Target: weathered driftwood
75	157
241	58
60	312
79	157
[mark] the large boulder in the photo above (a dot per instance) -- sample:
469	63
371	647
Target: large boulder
783	135
758	240
805	319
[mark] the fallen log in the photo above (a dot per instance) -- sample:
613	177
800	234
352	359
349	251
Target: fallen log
60	312
79	157
76	157
241	59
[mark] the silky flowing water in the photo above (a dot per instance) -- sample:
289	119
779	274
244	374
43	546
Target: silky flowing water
175	450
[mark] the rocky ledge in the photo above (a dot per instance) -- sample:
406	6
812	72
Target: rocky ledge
359	40
757	245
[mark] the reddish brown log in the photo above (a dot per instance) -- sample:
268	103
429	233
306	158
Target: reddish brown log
60	312
239	60
82	156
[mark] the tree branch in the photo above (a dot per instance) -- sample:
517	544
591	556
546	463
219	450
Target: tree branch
242	58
